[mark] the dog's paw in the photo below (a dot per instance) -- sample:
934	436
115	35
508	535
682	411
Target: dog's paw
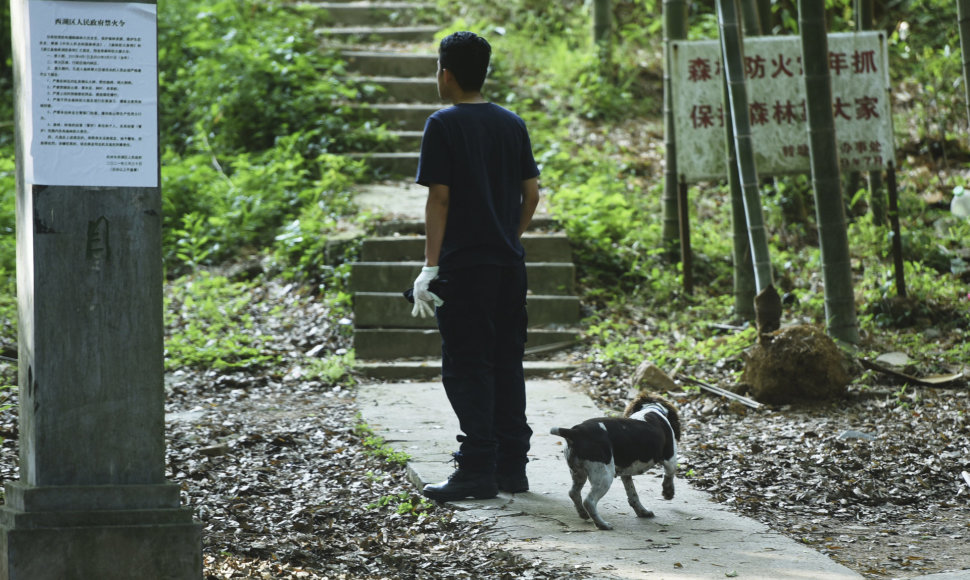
603	525
644	513
668	488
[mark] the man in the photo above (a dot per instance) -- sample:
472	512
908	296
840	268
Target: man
476	160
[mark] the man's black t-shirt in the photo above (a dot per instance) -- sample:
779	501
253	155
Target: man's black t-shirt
483	153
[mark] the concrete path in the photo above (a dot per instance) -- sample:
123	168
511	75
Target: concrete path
691	537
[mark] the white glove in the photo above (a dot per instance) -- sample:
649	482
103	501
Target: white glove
423	298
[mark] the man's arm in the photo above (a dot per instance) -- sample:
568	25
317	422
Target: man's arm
530	200
435	219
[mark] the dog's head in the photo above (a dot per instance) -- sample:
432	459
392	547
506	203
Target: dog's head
645	399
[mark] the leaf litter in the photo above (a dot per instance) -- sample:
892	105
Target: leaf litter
286	483
875	480
284	479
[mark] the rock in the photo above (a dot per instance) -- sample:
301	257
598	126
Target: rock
648	377
894	359
800	363
214	450
851	434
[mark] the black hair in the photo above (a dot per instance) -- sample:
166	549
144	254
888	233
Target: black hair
466	55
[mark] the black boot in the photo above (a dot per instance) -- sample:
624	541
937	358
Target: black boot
474	478
512	482
463	484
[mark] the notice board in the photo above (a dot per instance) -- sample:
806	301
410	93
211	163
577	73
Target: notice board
90	93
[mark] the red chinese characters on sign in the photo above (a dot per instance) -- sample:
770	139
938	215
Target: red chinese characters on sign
704	116
758	67
785	112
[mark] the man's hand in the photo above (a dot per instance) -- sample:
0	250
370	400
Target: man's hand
423	298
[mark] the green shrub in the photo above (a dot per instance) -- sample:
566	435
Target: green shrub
210	325
243	74
255	203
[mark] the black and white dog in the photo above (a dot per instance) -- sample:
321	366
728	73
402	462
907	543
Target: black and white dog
608	447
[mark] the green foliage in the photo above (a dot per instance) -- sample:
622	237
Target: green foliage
378	447
211	326
256	201
551	45
243	74
8	222
6	391
335	369
404	503
925	59
253	114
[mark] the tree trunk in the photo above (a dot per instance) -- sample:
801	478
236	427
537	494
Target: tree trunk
732	54
963	12
675	28
840	312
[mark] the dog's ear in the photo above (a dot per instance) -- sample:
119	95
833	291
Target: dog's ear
673	418
639	402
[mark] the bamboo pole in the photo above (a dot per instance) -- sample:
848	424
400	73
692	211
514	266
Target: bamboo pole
675	28
963	16
733	57
744	286
840	312
877	197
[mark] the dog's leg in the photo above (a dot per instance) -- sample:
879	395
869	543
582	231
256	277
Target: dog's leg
633	498
600	478
579	479
670	469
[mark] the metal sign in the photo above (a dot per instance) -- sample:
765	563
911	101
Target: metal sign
859	69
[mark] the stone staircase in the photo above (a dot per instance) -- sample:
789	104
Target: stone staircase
384	329
392	44
389	44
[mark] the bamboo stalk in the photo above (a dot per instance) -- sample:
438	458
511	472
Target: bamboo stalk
963	16
840	312
675	28
733	57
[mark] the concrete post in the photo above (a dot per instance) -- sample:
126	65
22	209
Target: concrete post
92	501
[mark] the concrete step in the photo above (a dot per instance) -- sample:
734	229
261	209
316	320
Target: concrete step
392	64
331	14
404	89
390	165
538	248
387	344
391	310
407	140
403	116
378	34
545	278
429	370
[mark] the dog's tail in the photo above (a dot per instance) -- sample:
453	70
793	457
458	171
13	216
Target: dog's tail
563	432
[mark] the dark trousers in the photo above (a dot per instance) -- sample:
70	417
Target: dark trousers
483	332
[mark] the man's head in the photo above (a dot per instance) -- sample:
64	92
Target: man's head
466	56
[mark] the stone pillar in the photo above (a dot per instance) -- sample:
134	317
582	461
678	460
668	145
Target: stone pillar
92	501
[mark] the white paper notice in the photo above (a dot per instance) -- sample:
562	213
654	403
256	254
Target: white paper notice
93	105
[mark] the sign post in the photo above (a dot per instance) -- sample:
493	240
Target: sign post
92	500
